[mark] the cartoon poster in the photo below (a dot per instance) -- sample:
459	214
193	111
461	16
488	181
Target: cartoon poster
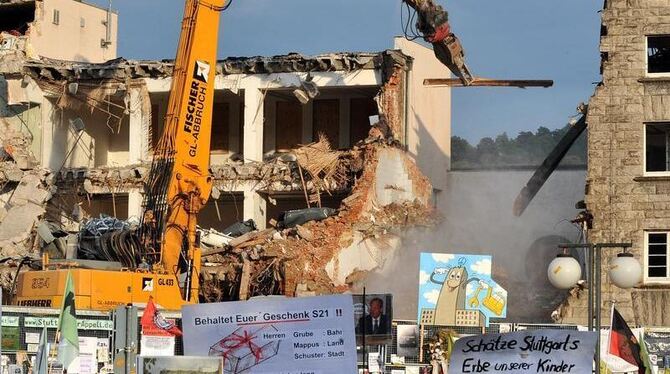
458	290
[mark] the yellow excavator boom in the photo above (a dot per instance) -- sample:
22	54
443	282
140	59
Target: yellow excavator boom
178	186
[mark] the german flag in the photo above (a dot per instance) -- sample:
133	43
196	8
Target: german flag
623	342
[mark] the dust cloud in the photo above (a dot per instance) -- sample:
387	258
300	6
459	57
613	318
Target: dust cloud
477	219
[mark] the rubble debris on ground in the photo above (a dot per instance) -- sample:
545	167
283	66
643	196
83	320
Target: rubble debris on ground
307	258
24	192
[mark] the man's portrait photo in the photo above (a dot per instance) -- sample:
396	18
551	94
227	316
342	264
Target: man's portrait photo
375	322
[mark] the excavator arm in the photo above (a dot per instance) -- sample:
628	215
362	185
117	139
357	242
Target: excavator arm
432	23
179	181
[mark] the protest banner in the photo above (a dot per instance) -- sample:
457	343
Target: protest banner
86	361
279	335
539	351
82	324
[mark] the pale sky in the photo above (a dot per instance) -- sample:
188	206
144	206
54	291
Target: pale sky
505	39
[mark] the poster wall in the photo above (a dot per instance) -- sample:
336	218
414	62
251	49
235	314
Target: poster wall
458	290
275	335
538	351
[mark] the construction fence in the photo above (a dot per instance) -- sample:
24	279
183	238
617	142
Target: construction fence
22	326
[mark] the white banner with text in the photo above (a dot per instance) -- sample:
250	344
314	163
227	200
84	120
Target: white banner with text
538	351
275	335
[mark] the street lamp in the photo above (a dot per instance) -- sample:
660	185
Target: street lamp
564	272
625	272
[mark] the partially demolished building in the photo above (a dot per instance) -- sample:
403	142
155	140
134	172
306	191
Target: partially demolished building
60	29
628	189
347	131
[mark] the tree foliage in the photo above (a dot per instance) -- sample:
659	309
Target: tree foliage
527	149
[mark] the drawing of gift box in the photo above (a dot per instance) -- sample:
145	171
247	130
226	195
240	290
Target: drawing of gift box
241	351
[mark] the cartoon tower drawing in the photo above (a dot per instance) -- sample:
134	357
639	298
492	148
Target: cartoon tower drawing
452	294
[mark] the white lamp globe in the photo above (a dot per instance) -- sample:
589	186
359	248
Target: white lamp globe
625	271
564	272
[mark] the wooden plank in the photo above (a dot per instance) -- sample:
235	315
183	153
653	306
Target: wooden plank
245	280
240	240
485	82
251	236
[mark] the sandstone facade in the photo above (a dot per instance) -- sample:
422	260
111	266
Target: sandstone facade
626	202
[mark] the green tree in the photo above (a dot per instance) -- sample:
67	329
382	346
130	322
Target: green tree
527	149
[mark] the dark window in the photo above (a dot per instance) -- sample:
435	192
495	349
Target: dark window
657	255
56	19
326	114
359	118
98	205
221	127
17	16
288	129
657	139
658	54
221	213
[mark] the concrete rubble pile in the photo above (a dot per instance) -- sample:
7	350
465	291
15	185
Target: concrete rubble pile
24	194
330	254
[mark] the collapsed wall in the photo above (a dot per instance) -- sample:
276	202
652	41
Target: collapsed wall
326	256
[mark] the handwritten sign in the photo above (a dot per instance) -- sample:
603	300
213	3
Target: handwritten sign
275	335
539	351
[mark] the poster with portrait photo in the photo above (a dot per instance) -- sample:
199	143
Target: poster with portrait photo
373	317
408	340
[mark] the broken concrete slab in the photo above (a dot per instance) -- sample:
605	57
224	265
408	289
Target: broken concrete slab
31	189
17	227
121	69
363	255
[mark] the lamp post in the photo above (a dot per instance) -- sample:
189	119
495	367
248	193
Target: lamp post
625	272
